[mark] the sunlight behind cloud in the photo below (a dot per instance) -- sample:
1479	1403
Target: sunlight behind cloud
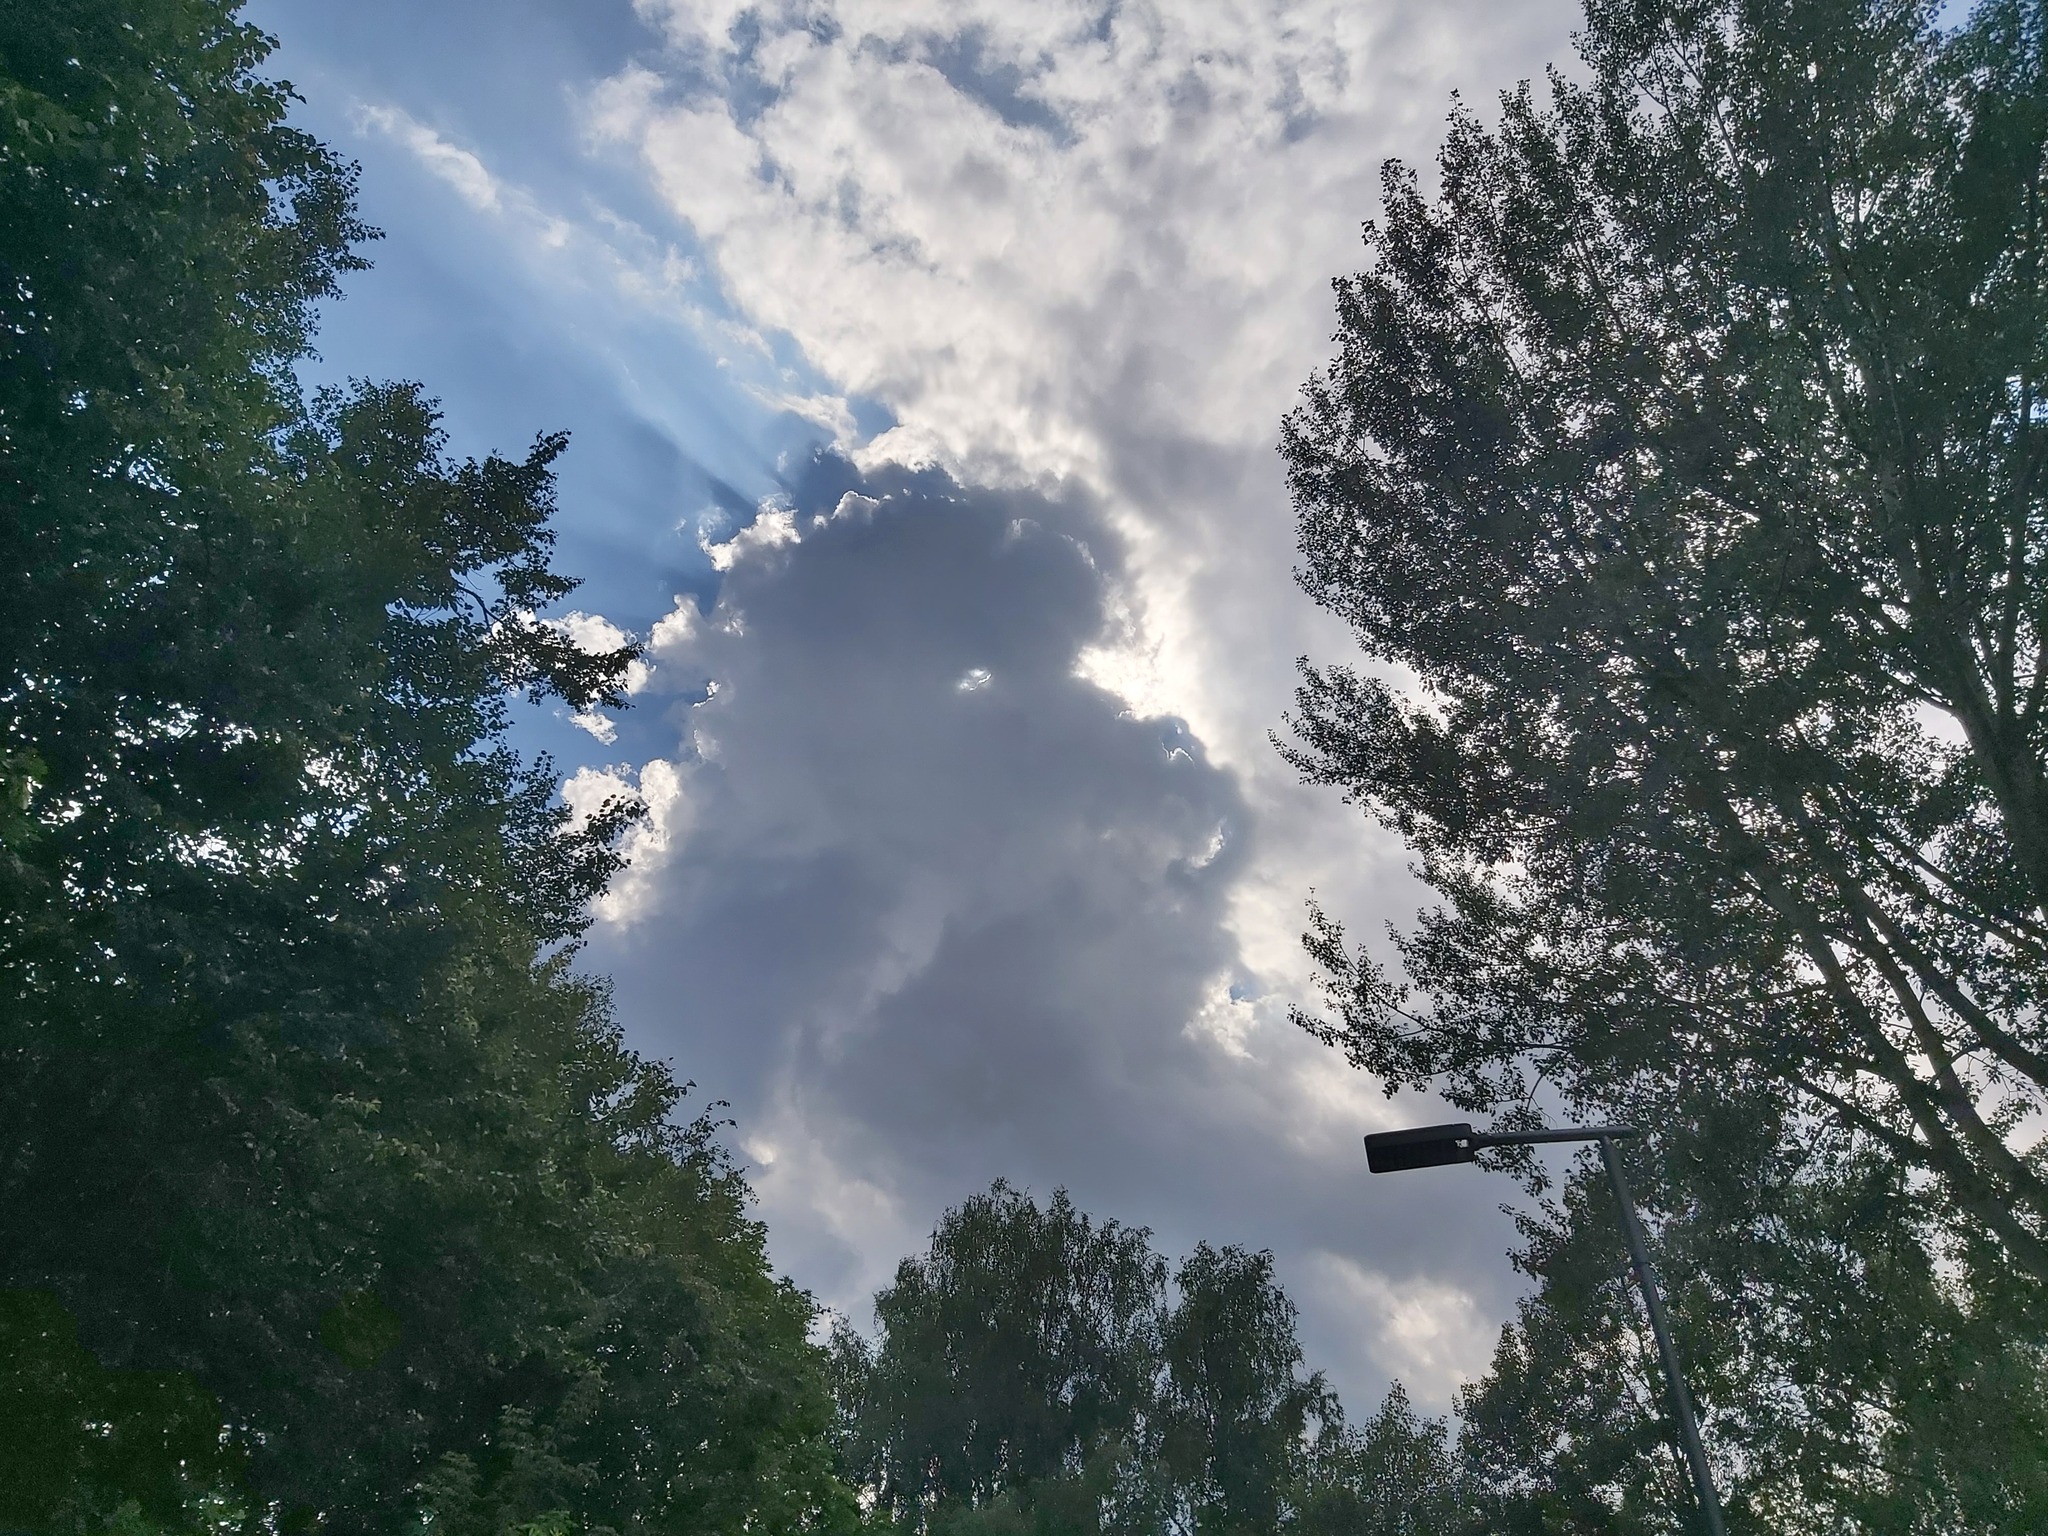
1081	250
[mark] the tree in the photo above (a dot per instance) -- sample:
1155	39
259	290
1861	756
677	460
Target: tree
1394	1475
305	1113
1680	472
1683	448
89	1448
1855	1385
1036	1376
1018	1351
1236	1422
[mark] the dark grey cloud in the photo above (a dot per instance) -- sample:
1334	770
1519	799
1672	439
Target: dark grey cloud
936	909
928	867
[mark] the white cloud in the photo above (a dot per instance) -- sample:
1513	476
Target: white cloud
1016	222
829	412
1225	1019
587	789
675	630
1071	239
458	167
649	843
1433	1336
594	634
773	527
602	726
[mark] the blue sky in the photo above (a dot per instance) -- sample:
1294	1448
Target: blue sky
923	362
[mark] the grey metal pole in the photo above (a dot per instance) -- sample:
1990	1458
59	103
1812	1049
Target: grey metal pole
1432	1146
1681	1405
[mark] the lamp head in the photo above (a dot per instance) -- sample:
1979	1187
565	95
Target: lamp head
1424	1146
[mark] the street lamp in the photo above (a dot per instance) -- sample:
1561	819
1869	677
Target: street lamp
1434	1146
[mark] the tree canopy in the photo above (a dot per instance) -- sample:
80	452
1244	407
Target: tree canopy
316	1152
1037	1371
1680	473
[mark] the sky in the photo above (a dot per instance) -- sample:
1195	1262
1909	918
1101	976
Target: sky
924	363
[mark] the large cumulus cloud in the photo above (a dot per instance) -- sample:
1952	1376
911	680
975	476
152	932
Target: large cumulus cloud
928	905
976	859
1079	250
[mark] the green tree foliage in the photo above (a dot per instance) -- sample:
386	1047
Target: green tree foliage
1680	469
88	1448
1394	1475
1236	1412
1035	1373
1854	1383
304	1114
1020	1347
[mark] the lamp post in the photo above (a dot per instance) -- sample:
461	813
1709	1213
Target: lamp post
1434	1146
